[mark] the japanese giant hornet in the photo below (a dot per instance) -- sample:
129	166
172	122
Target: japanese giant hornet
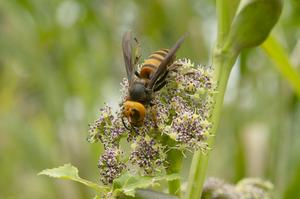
150	78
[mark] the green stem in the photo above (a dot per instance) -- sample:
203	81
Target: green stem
223	21
174	187
223	62
175	161
225	10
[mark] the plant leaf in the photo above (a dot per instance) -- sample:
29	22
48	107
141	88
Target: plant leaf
253	23
128	183
70	172
278	55
150	194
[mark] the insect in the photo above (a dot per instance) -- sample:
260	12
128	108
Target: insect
144	84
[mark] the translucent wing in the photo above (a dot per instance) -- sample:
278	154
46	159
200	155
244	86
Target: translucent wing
127	53
162	68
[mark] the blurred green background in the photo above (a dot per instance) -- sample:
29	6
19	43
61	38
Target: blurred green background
61	60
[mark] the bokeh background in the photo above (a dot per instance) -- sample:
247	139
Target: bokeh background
60	60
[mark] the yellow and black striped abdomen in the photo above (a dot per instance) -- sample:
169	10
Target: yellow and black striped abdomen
151	64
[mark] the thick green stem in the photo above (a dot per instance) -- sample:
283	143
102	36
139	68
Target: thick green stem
222	63
174	187
232	38
226	10
175	161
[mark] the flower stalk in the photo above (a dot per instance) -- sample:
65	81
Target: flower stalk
175	160
236	31
223	63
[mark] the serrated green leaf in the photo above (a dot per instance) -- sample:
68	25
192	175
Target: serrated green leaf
70	172
66	171
127	183
253	23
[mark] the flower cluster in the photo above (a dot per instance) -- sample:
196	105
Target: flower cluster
147	154
255	188
110	165
247	188
190	129
181	115
108	128
187	102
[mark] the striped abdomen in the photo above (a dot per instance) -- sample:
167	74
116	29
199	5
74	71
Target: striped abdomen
151	64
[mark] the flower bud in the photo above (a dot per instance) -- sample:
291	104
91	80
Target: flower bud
253	23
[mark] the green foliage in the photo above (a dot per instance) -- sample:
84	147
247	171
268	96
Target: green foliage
293	190
252	24
149	194
281	60
128	183
250	27
70	172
